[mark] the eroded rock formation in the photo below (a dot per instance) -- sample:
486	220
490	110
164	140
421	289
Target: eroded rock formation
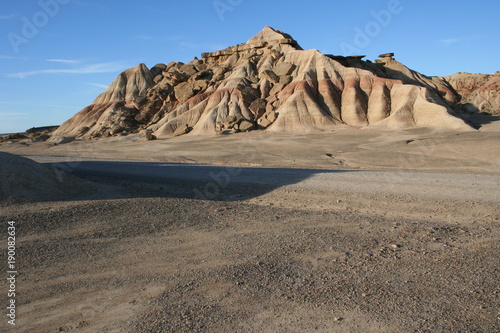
479	92
268	83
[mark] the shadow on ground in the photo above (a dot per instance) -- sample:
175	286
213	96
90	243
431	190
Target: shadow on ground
203	182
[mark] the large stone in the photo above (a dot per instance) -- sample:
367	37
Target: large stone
284	69
386	55
270	76
220	73
174	78
248	93
286	79
246	125
184	91
229	122
188	69
199	85
268	119
258	107
384	58
158	69
150	136
173	66
140	101
204	75
199	65
158	78
276	89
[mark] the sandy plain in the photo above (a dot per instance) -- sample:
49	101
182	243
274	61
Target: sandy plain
343	231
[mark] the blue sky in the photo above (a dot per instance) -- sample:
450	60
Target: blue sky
56	56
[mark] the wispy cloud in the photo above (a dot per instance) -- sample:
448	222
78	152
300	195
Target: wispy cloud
11	57
36	104
143	37
64	61
451	41
106	67
7	17
98	85
13	114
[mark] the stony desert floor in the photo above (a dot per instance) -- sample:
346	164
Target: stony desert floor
348	231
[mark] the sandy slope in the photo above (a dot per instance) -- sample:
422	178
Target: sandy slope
415	149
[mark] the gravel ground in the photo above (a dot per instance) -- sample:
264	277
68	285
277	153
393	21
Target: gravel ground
298	257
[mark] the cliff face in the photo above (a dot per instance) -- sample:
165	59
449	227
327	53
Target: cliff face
269	83
479	92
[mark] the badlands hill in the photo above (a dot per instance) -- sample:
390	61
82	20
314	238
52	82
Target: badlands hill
480	92
268	83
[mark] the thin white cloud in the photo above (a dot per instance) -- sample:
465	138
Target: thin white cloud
12	114
37	104
143	37
98	85
7	17
11	57
449	41
106	67
64	61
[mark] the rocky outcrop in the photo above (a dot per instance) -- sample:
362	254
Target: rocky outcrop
479	92
397	70
34	134
268	83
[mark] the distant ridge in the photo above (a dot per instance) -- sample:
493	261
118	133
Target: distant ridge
479	92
